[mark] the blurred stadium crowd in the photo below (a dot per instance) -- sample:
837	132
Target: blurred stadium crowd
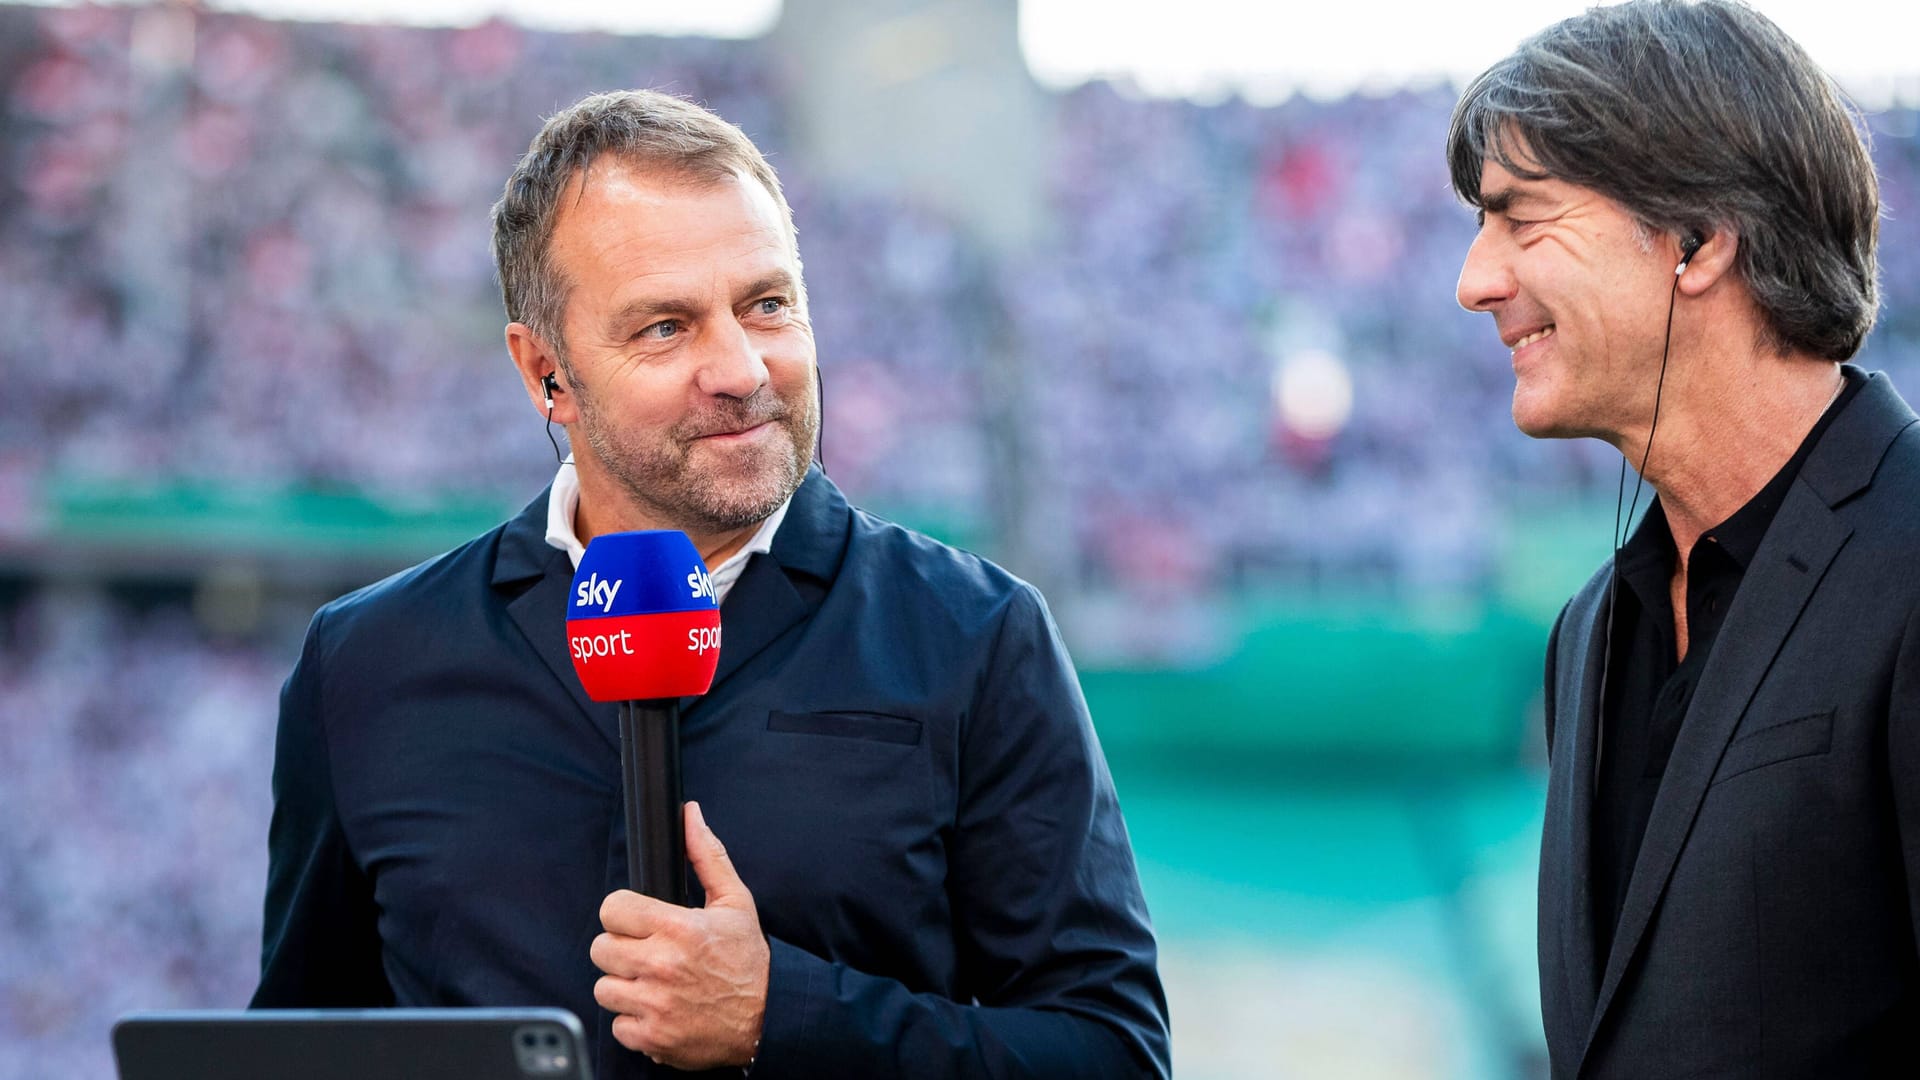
133	758
256	253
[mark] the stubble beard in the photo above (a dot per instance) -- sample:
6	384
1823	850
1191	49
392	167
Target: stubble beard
695	489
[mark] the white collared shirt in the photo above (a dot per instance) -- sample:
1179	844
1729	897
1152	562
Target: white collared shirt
564	502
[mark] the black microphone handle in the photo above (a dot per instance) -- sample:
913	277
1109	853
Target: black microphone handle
650	783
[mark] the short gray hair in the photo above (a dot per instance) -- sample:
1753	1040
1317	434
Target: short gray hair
1697	115
641	126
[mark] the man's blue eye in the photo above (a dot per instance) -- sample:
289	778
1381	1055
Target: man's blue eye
661	330
772	305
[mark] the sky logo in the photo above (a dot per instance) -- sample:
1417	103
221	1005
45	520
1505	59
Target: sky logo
595	592
701	584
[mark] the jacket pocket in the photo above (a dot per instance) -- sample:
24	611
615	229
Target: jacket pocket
874	727
1802	736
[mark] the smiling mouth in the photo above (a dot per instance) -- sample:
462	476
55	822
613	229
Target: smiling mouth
736	434
1538	335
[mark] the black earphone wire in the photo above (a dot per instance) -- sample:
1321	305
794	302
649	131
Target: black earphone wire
1619	538
1659	391
820	417
557	456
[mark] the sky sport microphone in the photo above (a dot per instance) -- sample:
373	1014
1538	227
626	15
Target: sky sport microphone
644	630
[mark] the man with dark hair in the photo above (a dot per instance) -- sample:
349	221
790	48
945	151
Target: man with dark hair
1678	217
925	872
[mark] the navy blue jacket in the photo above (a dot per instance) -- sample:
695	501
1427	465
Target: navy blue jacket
895	752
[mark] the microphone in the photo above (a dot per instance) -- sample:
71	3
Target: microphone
644	630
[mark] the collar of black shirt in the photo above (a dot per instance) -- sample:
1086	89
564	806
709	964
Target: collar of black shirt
1648	554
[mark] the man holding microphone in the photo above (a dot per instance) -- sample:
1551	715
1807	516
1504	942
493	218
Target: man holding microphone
1677	242
925	870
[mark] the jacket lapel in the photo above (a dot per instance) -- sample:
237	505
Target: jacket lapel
761	606
539	610
1801	544
765	603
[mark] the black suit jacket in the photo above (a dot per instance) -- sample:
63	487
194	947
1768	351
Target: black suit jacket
895	752
1769	925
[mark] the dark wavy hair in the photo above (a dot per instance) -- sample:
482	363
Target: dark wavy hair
1697	114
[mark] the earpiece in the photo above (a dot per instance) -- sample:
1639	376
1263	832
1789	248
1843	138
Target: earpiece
552	386
1689	245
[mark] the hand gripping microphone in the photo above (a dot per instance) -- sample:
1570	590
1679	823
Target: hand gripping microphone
644	630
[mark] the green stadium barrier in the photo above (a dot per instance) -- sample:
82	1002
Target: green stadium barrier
242	521
1356	681
1366	681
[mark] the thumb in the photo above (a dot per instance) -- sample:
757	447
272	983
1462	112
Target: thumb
713	865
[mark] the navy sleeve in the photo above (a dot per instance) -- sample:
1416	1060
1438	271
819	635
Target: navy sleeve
1055	946
321	943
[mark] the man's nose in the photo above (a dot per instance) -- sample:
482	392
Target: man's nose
1486	279
731	364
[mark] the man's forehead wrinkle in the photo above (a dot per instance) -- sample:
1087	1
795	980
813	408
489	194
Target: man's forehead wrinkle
673	227
661	186
679	291
720	258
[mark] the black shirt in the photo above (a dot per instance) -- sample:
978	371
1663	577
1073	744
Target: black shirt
1648	686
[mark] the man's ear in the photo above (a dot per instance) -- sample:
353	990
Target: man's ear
536	359
1712	261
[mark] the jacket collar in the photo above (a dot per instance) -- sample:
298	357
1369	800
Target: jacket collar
811	540
1848	455
523	551
763	605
